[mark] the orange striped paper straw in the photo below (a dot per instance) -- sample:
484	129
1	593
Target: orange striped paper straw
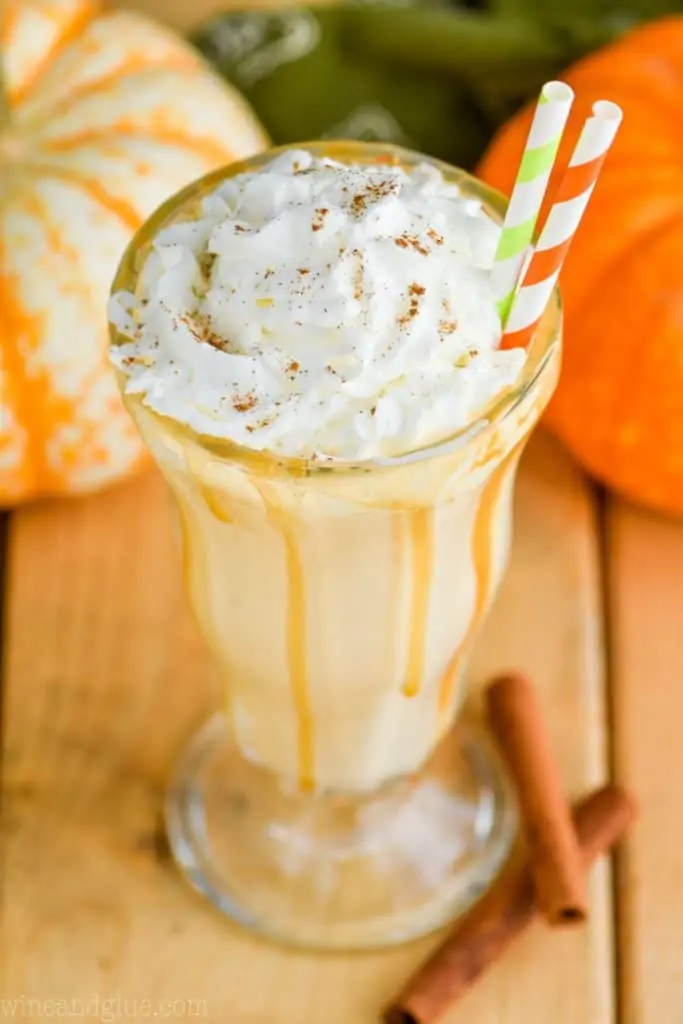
574	191
533	175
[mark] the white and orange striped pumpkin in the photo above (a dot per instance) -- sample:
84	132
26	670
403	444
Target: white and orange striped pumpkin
107	114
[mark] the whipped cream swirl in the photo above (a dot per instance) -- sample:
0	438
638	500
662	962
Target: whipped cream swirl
321	310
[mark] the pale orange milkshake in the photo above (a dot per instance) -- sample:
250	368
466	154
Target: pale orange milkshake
309	348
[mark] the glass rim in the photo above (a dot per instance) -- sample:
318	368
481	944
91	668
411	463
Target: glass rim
544	342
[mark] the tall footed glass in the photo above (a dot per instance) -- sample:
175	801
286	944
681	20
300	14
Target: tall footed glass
333	802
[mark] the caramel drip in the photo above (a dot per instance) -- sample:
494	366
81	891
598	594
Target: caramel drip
296	655
216	503
397	630
185	535
483	540
296	638
216	500
196	585
422	551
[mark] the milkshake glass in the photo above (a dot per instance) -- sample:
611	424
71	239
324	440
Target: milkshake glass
332	802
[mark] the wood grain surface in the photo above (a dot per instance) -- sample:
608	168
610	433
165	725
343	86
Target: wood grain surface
105	679
645	563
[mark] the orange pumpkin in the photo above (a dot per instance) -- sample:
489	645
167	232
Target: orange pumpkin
619	404
106	115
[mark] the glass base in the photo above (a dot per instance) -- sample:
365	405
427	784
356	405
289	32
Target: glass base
339	871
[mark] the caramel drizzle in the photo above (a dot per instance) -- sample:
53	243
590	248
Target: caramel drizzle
185	535
216	504
483	538
217	501
296	656
422	550
195	587
296	639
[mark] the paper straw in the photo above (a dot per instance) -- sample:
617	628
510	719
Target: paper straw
541	147
574	191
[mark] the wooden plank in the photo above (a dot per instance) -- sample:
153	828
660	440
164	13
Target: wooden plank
106	678
645	564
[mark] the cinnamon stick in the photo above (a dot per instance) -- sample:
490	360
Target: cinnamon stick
517	722
601	819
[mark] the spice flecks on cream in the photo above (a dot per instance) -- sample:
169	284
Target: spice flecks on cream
319	309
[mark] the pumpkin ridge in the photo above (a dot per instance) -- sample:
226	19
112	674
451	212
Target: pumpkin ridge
628	92
38	410
66	213
179	65
622	397
69	34
119	207
27	411
40	210
8	19
213	151
610	267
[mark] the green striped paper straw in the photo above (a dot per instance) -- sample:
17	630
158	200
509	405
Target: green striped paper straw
550	118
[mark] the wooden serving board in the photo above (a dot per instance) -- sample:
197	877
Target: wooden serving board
105	680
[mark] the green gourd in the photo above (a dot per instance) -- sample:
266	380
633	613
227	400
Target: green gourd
434	76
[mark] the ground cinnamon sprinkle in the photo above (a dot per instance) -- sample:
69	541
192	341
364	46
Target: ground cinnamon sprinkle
435	236
406	241
449	324
358	204
293	367
318	221
415	291
244	403
202	329
413	310
358	275
447	327
375	191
